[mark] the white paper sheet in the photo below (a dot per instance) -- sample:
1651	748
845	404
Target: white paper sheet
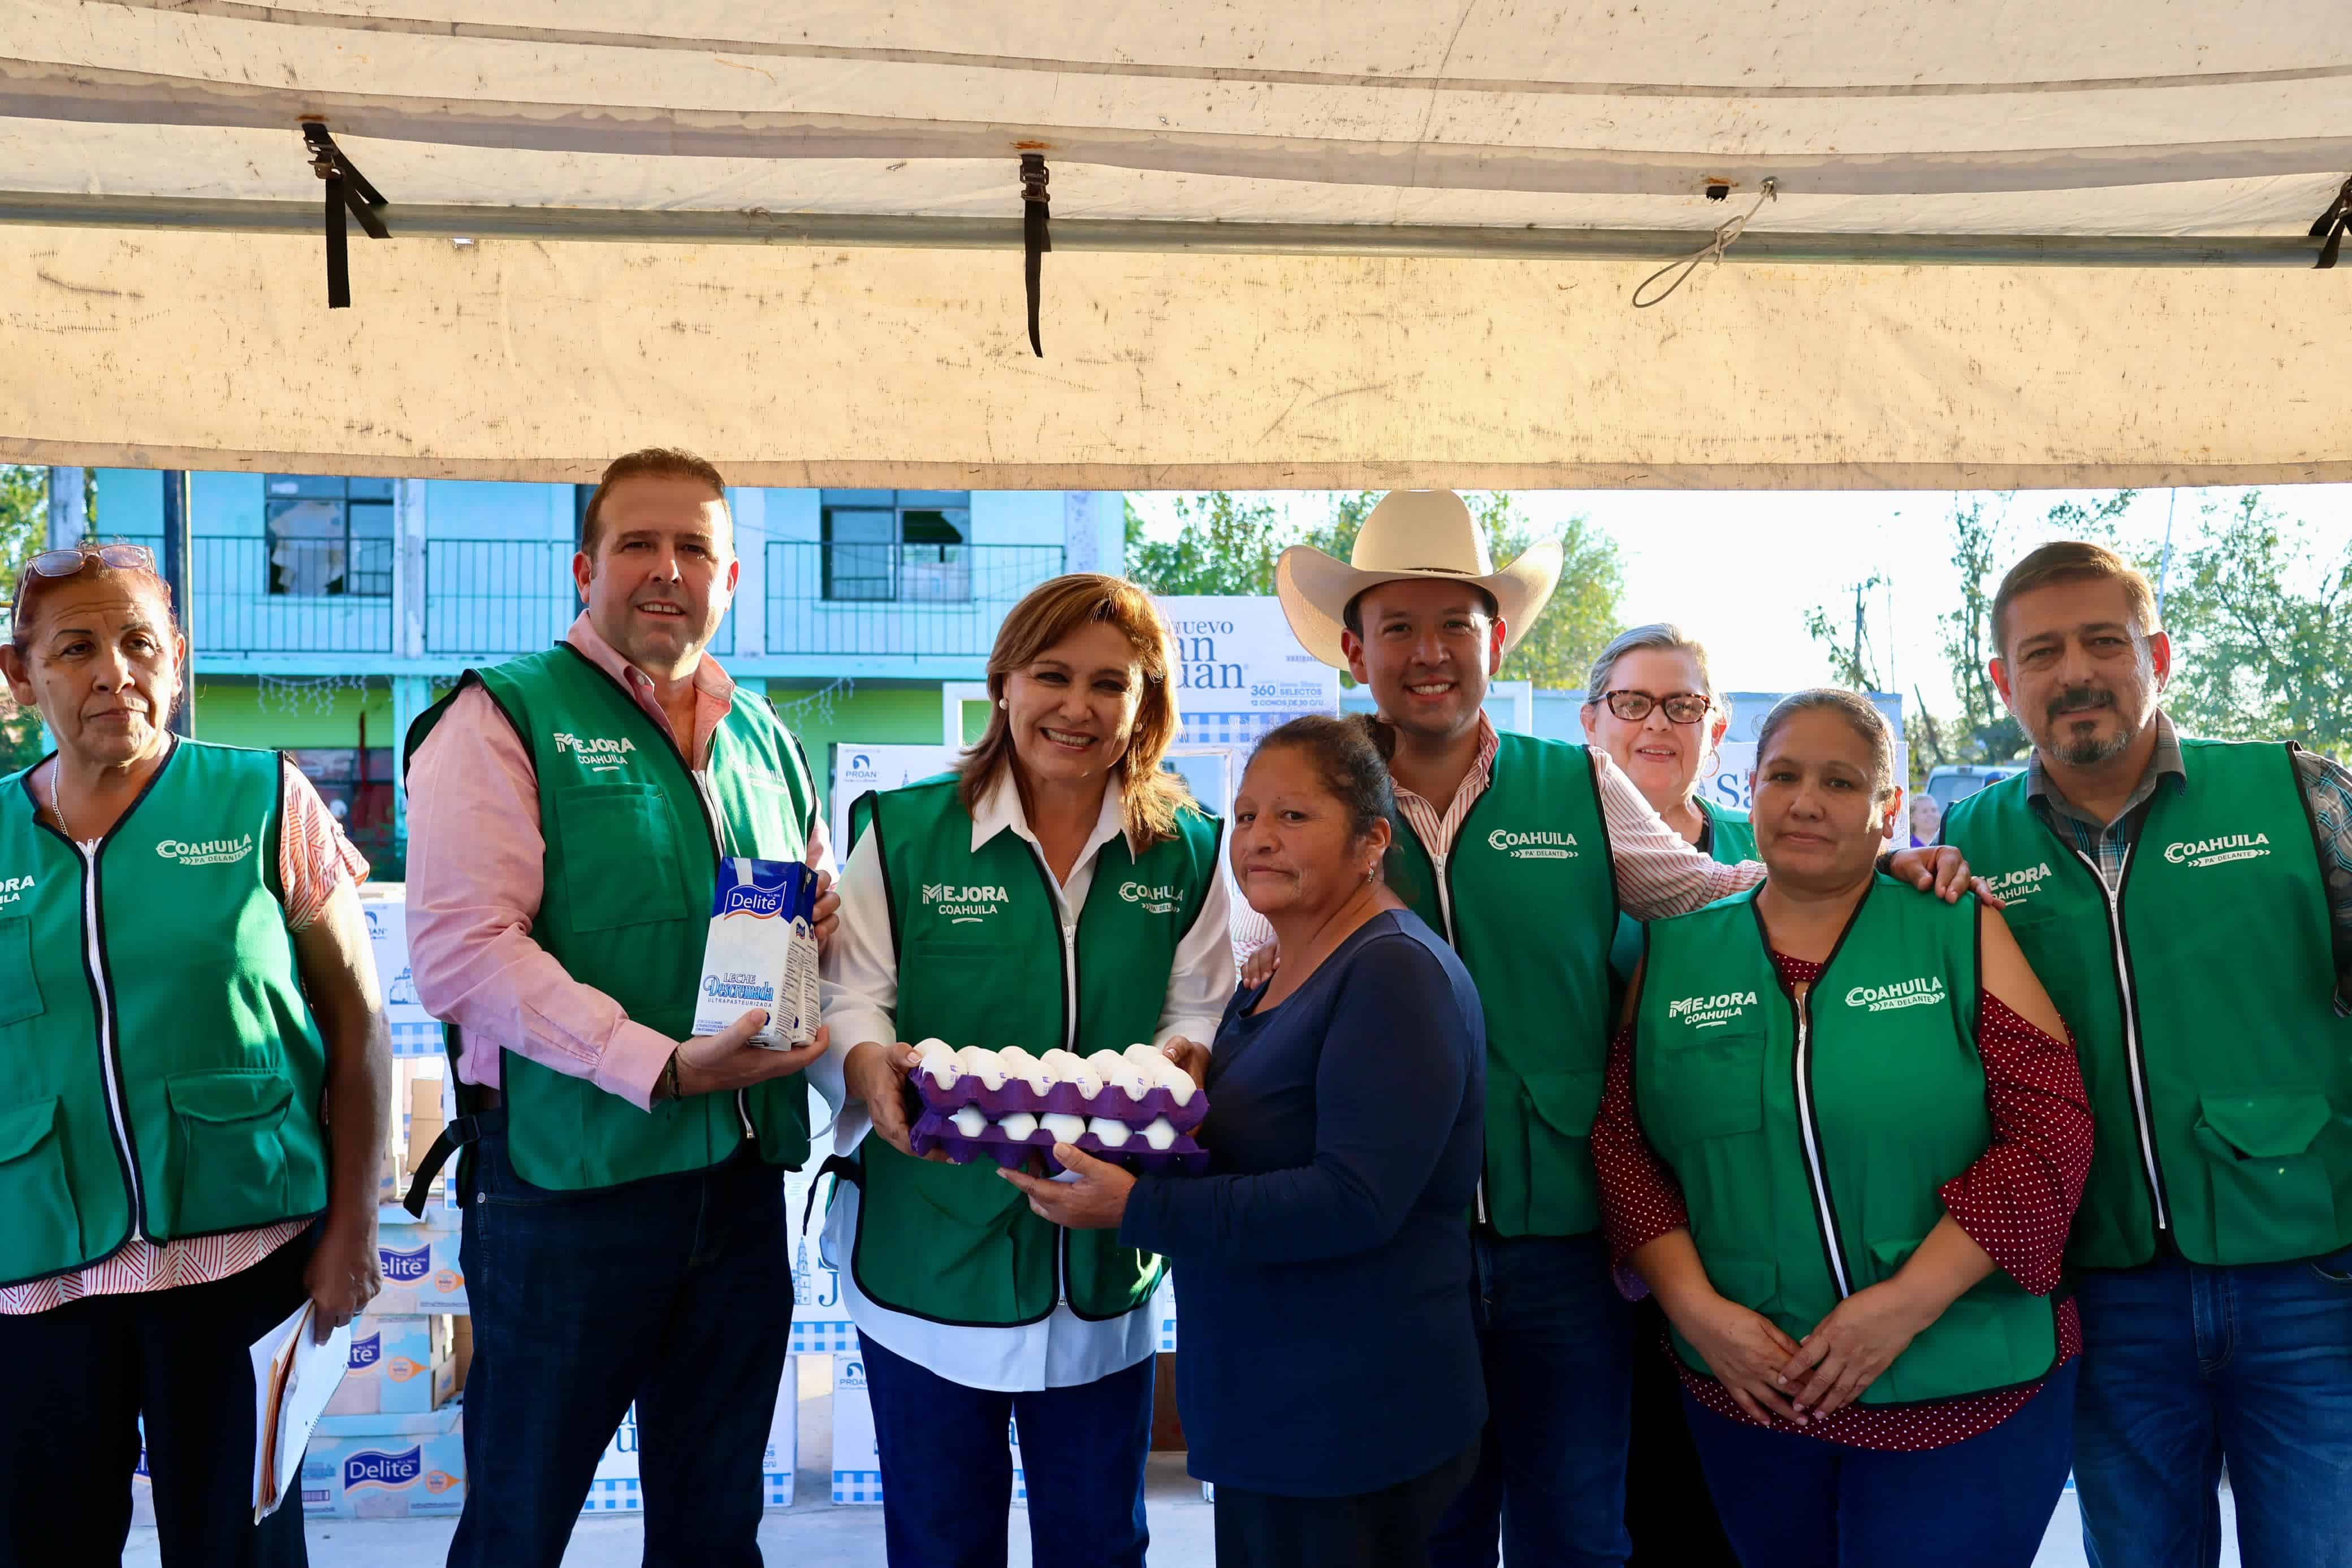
311	1380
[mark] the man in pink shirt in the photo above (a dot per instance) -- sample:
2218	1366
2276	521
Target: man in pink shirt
625	1232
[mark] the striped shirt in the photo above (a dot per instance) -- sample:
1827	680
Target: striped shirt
315	862
1659	871
2326	790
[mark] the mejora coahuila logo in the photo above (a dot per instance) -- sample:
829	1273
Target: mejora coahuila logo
963	905
1158	900
205	851
404	1268
369	1467
13	888
1921	992
2017	886
596	753
1541	846
2218	851
1710	1012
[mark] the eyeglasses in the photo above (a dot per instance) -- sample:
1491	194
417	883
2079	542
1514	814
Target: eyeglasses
66	562
1683	707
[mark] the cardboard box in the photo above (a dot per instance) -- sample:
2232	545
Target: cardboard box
399	1366
419	1262
426	1120
385	1467
821	1324
616	1488
858	1458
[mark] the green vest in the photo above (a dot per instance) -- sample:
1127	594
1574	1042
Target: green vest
2202	1005
1811	1138
982	960
1730	841
631	863
1529	899
160	1072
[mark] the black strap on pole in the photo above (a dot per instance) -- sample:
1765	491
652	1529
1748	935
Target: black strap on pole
1035	240
348	191
2331	226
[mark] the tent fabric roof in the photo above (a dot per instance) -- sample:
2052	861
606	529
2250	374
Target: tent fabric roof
1344	131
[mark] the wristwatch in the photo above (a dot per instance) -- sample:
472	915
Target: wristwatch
669	1078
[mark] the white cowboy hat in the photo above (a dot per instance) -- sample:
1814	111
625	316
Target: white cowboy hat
1411	533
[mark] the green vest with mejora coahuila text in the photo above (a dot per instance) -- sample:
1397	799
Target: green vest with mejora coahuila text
630	866
161	1073
2202	999
1528	898
982	960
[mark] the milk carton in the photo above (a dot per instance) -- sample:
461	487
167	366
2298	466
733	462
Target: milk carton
762	952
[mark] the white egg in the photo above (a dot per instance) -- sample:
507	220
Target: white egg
1112	1133
1066	1128
1019	1063
1162	1134
936	1059
1070	1068
1118	1072
1018	1126
1059	1065
1163	1073
983	1063
971	1122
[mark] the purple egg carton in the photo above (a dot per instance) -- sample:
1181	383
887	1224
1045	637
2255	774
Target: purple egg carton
938	1131
1062	1100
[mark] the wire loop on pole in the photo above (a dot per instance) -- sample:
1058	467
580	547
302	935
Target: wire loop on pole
1725	233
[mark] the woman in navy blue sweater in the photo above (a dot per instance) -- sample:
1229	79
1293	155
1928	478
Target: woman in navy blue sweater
1330	1375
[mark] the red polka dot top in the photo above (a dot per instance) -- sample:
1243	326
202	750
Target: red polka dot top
2016	1202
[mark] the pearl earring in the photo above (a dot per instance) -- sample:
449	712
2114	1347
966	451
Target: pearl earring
999	702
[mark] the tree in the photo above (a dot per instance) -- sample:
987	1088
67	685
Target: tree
23	523
1223	544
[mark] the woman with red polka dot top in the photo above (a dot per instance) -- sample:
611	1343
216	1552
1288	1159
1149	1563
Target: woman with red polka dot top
1842	1138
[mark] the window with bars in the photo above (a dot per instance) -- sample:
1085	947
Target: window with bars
328	535
904	545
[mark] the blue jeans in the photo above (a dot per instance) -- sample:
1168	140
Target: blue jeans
675	1292
1557	1340
2185	1366
1792	1501
947	1468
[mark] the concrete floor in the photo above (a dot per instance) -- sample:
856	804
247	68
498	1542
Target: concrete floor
816	1534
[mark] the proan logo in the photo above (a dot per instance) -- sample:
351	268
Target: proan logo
963	905
2017	886
597	753
1533	846
1710	1012
13	888
205	851
2218	851
1158	900
1924	991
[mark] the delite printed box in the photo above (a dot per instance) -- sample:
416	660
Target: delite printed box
399	1366
762	952
385	1467
419	1263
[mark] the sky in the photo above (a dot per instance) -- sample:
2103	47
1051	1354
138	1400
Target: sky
1740	567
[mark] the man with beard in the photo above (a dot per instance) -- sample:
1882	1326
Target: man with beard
2189	904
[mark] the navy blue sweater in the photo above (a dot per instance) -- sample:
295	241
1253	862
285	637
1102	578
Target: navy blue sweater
1323	1264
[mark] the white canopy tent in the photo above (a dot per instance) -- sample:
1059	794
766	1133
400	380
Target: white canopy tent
2006	244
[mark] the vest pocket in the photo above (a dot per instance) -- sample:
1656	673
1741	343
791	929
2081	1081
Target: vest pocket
2272	1194
1711	1088
227	1168
20	987
620	858
43	1232
1968	1349
1560	1196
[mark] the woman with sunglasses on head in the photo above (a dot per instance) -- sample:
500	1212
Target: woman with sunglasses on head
1652	706
1842	1139
195	1079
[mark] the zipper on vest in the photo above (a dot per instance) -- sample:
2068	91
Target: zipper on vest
94	953
2143	1123
1816	1177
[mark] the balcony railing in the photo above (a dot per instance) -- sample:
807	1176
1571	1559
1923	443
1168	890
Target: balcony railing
508	596
256	595
885	599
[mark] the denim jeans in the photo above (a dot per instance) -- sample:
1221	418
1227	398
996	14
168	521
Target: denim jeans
2185	1367
1557	1340
1793	1501
947	1469
675	1292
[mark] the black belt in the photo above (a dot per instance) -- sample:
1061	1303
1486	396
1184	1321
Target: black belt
468	1129
837	1165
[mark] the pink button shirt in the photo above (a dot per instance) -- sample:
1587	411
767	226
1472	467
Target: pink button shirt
474	881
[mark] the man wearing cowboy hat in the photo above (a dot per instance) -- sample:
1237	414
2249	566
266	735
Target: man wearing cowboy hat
1520	851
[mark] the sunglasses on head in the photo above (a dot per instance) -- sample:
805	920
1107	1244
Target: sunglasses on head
66	562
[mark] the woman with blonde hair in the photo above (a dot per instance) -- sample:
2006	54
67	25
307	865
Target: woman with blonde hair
1057	891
